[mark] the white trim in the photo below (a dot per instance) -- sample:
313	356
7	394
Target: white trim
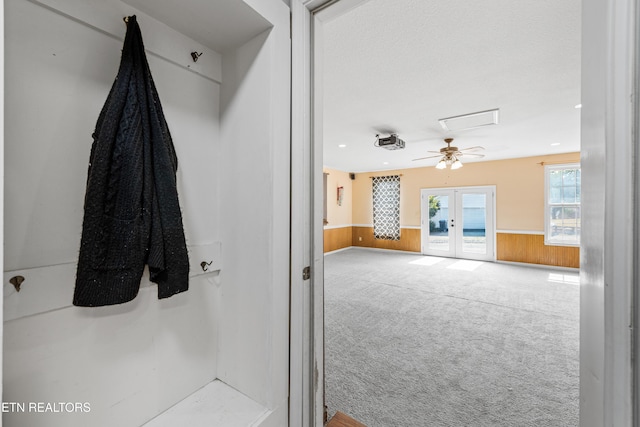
635	303
384	250
1	183
301	394
538	233
339	250
541	266
317	267
619	210
547	169
371	226
329	227
609	213
333	227
566	245
455	201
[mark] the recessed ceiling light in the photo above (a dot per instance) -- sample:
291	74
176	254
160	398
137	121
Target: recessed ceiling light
578	106
342	146
385	163
553	144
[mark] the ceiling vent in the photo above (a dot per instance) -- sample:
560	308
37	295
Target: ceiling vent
470	121
391	142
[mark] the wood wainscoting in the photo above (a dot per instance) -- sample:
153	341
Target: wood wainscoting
530	248
337	238
409	239
514	247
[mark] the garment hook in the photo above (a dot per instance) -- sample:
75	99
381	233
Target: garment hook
195	56
16	281
205	265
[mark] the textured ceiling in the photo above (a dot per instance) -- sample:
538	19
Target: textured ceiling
400	65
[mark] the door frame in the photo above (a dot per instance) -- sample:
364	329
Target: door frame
491	224
609	375
306	347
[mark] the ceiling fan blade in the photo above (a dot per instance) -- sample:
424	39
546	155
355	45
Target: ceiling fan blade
471	154
428	157
431	151
477	147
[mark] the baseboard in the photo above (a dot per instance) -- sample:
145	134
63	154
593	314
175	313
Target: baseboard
276	418
218	404
545	266
340	250
371	249
384	250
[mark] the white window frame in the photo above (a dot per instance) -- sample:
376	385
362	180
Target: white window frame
547	220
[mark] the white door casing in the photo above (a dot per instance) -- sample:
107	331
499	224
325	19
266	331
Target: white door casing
307	296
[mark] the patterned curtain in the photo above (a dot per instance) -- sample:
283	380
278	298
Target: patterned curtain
386	207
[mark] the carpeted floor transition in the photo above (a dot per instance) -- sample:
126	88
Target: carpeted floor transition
423	341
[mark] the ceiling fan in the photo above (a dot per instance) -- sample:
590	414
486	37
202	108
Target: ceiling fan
451	155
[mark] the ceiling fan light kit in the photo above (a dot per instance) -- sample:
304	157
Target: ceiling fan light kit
450	156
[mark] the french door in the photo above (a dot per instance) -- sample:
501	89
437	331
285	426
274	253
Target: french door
458	222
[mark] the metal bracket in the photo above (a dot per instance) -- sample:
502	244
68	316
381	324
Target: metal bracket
306	273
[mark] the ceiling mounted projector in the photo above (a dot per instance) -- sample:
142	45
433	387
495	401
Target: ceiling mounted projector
391	142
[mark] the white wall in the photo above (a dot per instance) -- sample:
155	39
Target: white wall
133	360
255	215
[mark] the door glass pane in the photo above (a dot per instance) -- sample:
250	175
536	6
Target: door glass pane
439	223
474	223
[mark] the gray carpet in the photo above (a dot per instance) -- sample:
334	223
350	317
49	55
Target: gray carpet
456	343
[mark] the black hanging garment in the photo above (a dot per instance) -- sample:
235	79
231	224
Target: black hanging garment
131	212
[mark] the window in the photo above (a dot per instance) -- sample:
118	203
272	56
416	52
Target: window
386	207
562	205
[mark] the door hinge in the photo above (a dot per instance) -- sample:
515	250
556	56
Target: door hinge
306	273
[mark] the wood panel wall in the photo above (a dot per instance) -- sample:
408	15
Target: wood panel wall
409	239
525	248
530	248
337	238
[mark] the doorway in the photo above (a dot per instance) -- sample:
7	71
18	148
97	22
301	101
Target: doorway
600	41
458	222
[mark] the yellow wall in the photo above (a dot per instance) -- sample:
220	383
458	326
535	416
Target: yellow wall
519	208
338	215
337	232
519	190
